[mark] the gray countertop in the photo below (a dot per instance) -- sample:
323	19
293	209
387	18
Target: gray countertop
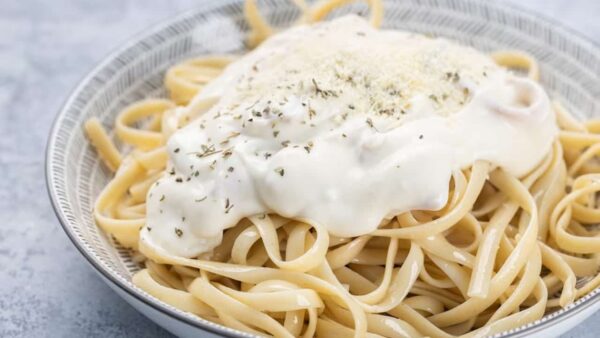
46	287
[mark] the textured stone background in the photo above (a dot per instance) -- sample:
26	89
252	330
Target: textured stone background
46	287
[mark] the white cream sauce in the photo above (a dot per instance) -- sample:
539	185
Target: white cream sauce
344	125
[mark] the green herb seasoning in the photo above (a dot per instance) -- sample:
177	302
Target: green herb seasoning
228	206
178	232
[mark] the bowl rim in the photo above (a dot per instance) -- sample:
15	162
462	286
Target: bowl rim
201	323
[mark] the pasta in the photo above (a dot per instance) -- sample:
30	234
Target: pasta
502	252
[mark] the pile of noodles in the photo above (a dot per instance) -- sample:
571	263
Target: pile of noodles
503	252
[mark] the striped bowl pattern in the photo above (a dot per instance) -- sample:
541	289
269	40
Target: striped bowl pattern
570	68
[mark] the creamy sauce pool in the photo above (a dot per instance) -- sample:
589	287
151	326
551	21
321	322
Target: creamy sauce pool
343	125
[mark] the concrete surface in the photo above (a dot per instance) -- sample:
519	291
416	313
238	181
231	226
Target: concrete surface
46	288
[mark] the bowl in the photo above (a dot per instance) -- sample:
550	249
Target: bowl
570	71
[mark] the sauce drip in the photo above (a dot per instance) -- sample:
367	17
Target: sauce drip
344	125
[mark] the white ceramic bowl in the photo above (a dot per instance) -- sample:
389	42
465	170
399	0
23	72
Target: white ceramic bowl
570	67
